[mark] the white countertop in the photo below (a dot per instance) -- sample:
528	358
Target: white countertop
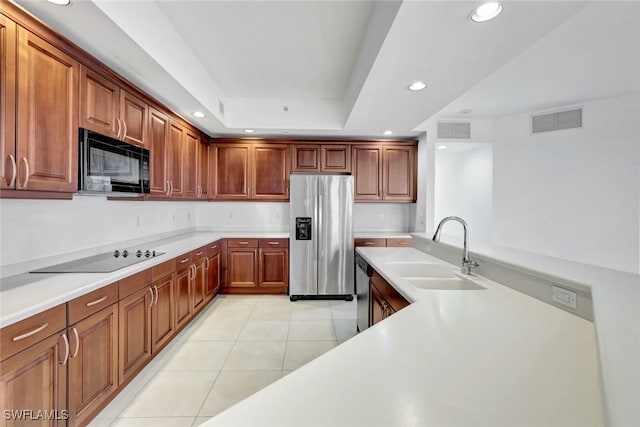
381	235
27	294
485	357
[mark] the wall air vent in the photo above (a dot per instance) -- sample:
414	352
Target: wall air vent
559	120
454	130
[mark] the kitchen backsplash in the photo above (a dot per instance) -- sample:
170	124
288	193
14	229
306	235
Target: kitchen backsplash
33	229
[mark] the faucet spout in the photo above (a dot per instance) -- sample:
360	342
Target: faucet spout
467	262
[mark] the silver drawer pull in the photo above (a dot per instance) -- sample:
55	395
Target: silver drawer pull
368	243
30	333
66	352
243	243
199	253
184	260
98	301
274	243
214	246
75	352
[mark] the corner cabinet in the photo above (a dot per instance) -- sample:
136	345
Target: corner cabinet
385	173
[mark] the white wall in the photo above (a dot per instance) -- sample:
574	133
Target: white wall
418	214
391	217
571	194
243	216
33	229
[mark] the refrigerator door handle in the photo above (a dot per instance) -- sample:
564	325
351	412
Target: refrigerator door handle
320	224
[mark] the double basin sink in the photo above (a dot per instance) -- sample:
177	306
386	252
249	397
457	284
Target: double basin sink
430	276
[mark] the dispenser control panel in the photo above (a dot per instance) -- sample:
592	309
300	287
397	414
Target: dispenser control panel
303	228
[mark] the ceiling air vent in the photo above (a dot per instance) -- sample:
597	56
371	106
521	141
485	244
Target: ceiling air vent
454	130
560	120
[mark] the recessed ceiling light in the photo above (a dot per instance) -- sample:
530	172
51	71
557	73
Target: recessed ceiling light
486	11
249	131
60	2
198	114
417	86
442	147
387	132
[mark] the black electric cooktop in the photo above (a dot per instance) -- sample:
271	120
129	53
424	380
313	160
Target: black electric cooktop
103	263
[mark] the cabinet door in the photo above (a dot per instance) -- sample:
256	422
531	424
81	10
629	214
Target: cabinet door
306	158
134	314
176	146
159	152
241	264
191	160
213	274
184	305
99	103
36	378
270	172
199	285
377	305
399	174
336	158
93	364
232	171
47	133
8	165
133	115
273	268
163	320
367	173
203	168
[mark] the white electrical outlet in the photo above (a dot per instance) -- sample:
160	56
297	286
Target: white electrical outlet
564	296
188	216
173	217
381	218
138	221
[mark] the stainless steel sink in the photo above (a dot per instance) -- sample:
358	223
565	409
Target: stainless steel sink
456	283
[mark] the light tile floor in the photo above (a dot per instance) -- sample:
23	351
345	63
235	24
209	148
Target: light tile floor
235	347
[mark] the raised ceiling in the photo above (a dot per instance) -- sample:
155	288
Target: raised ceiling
322	68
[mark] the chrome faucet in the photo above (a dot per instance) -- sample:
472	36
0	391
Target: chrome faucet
467	263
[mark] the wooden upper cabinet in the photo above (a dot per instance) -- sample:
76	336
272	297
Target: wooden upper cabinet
8	165
399	174
110	110
203	168
99	103
335	158
232	171
270	177
331	158
306	158
176	166
367	173
160	155
47	116
133	117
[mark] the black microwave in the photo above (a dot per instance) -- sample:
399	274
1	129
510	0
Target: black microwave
107	165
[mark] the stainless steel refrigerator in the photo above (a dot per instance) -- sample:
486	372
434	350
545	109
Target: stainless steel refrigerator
321	239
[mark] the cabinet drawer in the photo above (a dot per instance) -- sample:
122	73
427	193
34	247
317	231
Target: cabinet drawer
27	332
162	270
184	260
213	247
242	243
93	302
370	242
135	282
273	243
399	243
199	253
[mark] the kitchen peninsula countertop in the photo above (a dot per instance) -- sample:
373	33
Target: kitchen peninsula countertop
482	357
27	294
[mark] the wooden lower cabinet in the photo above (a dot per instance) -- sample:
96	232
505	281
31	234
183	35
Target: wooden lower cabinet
163	319
384	299
93	364
134	333
36	379
377	306
241	264
212	271
273	268
199	279
257	266
183	298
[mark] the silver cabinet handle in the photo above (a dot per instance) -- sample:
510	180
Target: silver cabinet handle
214	247
98	301
156	289
166	187
190	271
124	125
14	170
119	127
66	352
75	352
151	291
199	253
195	271
170	188
184	260
243	243
207	266
30	333
26	171
368	243
273	243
